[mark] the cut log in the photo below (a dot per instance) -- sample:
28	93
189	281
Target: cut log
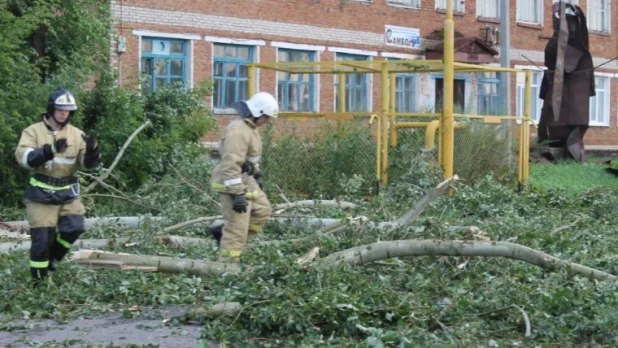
163	264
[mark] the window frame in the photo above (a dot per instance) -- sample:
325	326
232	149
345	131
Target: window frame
365	86
537	80
494	108
606	16
540	10
400	92
283	102
184	57
459	5
606	89
238	80
481	14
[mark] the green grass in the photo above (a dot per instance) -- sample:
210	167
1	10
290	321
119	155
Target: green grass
571	178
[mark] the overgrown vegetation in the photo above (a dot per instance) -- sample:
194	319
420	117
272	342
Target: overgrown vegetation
430	301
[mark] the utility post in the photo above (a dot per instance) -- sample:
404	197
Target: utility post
505	57
447	131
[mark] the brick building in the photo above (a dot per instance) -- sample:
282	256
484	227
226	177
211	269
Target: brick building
189	41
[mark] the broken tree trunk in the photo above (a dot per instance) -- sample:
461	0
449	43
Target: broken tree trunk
163	264
405	248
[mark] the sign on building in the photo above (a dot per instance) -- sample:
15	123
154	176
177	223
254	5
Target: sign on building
402	37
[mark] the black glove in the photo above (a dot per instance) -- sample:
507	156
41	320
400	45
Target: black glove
59	146
93	154
258	179
49	150
240	203
247	168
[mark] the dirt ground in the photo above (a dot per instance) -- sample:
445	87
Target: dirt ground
145	329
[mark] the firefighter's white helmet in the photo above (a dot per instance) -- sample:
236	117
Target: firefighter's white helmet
263	103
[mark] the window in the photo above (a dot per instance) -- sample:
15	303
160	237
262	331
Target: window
163	62
230	73
535	102
296	92
574	2
405	93
356	87
458	5
489	94
598	15
488	8
406	3
599	104
530	11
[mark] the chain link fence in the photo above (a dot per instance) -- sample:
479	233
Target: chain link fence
320	157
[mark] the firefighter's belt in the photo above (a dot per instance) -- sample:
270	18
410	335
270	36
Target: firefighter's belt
53	181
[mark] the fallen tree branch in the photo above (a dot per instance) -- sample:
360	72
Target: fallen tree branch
120	222
406	248
177	241
193	186
429	198
526	321
163	264
566	227
189	223
118	156
312	203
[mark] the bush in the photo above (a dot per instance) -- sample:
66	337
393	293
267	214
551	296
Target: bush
177	117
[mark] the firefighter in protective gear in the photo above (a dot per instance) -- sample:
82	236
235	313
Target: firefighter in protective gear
54	150
245	206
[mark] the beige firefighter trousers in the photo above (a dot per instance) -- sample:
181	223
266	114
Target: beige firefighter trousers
240	228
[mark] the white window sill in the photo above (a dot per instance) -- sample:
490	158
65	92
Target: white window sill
411	7
598	124
225	111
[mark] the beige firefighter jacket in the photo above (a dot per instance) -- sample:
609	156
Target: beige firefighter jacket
63	164
240	143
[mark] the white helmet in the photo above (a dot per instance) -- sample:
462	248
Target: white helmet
263	103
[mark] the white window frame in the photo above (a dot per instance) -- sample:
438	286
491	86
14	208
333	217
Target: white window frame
483	11
459	5
572	2
606	90
521	85
521	7
404	3
592	26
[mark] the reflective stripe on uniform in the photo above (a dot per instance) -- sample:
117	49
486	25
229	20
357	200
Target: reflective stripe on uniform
63	242
255	228
39	264
218	187
230	253
252	195
24	158
34	182
231	182
64	160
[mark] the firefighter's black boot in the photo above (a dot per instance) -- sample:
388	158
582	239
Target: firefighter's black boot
217	232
